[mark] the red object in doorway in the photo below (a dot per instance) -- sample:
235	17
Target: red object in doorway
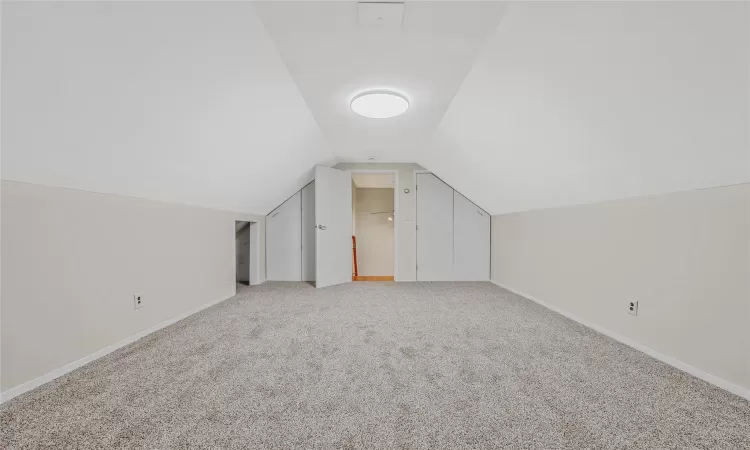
354	254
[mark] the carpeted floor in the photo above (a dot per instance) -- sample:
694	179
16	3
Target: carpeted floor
377	365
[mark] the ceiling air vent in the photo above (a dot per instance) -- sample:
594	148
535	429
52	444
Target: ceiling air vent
380	15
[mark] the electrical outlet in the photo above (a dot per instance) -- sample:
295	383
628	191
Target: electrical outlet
633	308
137	301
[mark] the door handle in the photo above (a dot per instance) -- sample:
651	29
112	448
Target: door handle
321	227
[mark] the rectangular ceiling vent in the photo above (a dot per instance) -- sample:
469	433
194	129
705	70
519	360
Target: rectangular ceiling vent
380	15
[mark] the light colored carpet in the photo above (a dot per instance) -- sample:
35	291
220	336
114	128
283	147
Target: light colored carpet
377	365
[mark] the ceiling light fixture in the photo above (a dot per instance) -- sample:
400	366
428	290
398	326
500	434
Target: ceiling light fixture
379	104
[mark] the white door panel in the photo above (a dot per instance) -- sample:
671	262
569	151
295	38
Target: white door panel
434	229
471	241
308	232
333	218
284	241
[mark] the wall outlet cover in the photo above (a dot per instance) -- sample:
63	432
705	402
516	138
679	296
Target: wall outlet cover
137	301
633	308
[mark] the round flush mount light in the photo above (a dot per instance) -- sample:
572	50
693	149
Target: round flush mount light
379	104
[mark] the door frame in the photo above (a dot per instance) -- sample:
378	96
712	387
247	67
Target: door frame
256	263
244	229
396	213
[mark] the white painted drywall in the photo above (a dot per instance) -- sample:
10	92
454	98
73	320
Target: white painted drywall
284	241
684	257
574	102
471	240
308	232
375	233
191	99
407	235
332	59
435	229
373	180
72	260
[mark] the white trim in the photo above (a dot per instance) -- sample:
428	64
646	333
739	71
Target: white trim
36	382
396	213
674	362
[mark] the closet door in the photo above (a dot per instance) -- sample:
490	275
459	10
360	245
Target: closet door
308	232
434	229
471	241
284	241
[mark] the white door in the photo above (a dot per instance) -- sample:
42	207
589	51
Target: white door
333	233
308	232
284	241
434	229
471	241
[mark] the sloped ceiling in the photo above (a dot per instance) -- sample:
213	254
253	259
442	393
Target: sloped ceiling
575	102
518	106
183	102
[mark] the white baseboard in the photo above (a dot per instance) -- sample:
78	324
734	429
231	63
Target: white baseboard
698	373
29	385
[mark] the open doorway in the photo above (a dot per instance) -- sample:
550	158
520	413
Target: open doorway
242	252
373	225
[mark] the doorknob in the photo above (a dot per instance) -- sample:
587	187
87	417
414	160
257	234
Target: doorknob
321	227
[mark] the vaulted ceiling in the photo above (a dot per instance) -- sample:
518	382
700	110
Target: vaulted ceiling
519	106
184	102
332	57
576	102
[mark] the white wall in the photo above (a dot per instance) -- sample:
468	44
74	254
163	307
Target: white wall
471	240
72	260
407	236
683	256
375	233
